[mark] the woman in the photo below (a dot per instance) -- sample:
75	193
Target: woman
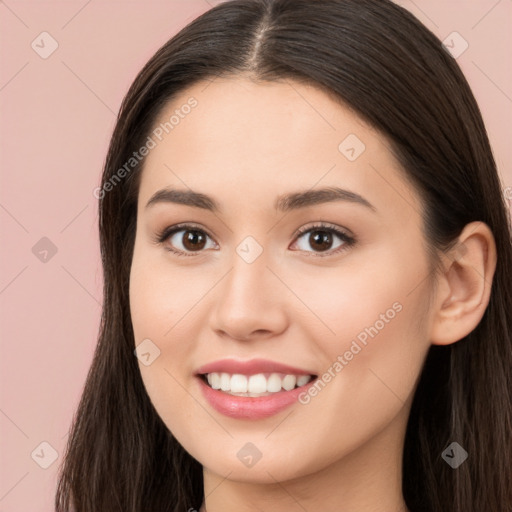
306	247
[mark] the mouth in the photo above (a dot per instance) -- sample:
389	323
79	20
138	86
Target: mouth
252	390
256	385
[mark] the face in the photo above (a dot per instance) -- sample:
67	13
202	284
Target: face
307	311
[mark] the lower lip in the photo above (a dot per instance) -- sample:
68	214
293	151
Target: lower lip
251	408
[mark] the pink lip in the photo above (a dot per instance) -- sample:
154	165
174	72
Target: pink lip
251	408
244	407
251	367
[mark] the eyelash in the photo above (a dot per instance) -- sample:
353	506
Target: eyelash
348	241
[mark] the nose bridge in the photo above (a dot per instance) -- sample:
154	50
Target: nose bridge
248	301
247	281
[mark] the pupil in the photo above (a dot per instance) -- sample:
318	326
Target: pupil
320	239
194	240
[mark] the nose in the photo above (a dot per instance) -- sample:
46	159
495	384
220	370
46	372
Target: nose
249	302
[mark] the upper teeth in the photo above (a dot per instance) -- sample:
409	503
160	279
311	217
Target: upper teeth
259	383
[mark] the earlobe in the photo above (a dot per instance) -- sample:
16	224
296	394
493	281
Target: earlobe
464	287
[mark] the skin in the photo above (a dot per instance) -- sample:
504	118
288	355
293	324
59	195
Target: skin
244	144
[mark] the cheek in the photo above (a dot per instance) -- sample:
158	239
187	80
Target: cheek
165	308
161	298
369	380
160	308
163	313
373	295
372	341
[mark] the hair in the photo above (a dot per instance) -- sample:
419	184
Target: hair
376	58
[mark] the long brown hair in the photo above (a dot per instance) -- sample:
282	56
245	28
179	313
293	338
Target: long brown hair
391	70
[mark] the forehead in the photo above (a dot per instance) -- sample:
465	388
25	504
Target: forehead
234	115
266	138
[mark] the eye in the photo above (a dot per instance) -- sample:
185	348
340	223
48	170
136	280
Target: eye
190	240
184	239
321	238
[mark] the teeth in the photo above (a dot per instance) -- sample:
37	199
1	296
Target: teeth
255	385
274	383
289	382
214	380
238	383
225	382
302	379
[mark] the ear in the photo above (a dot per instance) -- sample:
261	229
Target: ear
464	287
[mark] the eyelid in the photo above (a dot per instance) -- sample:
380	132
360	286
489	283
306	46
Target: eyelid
166	232
323	225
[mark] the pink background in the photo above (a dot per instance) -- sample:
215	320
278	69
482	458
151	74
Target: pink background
57	117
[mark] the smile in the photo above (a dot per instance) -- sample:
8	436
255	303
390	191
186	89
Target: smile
253	389
261	384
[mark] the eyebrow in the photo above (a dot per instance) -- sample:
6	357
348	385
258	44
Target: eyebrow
283	203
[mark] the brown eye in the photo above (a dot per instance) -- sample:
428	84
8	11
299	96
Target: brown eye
323	239
193	240
320	240
185	240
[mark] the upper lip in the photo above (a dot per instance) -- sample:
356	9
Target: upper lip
251	367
